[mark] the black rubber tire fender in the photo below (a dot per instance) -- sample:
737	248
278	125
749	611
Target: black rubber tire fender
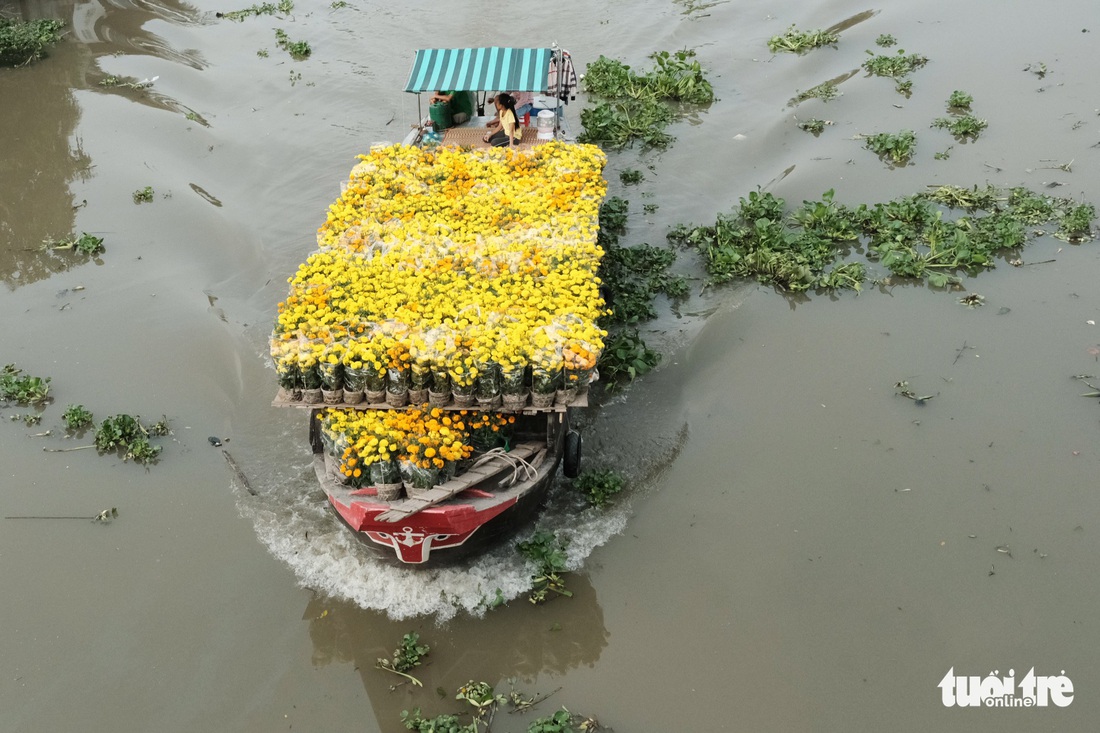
571	458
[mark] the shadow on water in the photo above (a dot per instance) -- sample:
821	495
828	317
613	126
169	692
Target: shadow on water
517	643
37	168
46	155
852	21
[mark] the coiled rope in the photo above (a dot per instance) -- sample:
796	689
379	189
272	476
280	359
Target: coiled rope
518	464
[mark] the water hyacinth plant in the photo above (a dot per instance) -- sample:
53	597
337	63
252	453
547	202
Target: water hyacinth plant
634	106
24	41
909	236
23	389
896	147
966	127
796	41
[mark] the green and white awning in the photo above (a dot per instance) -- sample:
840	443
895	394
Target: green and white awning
493	69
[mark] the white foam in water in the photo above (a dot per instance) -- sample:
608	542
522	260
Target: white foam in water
293	519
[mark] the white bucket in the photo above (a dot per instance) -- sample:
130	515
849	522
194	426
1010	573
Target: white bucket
544	123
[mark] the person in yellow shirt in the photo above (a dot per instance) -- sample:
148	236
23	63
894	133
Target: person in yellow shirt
511	131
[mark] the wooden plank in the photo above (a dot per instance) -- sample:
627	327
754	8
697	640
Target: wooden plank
459	484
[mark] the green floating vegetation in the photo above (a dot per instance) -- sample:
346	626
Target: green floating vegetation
824	91
407	656
896	67
633	278
547	551
897	147
633	107
298	50
127	435
143	195
85	244
911	236
22	389
124	434
599	485
24	41
959	100
625	357
484	702
76	417
966	127
636	276
813	125
283	8
796	41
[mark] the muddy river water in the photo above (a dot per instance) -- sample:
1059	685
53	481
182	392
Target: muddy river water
800	549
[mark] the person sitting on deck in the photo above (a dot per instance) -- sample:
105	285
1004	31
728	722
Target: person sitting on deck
460	103
524	101
511	131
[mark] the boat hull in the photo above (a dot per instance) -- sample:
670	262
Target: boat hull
468	524
442	536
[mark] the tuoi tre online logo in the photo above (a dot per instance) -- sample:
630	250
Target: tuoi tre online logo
992	691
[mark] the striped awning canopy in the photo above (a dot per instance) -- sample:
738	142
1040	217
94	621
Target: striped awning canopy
495	69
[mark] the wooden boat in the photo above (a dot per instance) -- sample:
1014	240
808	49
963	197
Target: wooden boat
498	491
486	503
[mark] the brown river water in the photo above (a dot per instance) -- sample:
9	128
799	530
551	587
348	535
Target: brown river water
800	549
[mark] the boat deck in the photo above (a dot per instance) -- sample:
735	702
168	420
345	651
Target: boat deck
498	477
472	137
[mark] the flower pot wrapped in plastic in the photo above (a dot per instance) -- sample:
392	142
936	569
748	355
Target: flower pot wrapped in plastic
332	396
565	396
398	360
352	471
441	379
290	381
513	387
417	479
463	384
363	370
439	393
544	386
353	396
397	386
355	384
420	381
489	430
487	385
355	380
308	356
331	371
376	386
284	354
311	395
332	378
386	478
580	362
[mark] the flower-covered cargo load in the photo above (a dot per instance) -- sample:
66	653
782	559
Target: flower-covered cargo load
417	448
455	277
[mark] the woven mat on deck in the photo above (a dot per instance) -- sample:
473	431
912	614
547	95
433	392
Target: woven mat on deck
472	137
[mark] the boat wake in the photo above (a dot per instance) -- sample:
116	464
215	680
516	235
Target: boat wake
297	526
292	518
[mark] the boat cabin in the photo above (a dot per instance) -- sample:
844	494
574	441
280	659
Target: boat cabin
472	76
